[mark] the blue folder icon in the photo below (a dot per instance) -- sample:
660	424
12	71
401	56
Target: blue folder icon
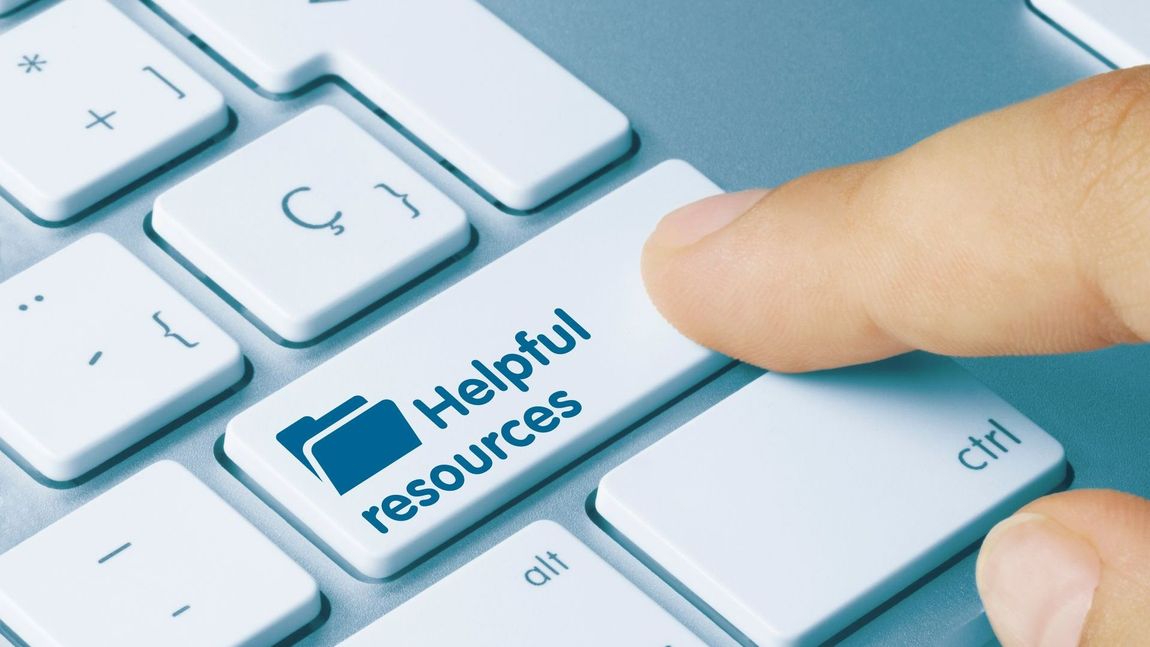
356	451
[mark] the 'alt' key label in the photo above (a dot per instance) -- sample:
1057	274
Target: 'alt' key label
541	586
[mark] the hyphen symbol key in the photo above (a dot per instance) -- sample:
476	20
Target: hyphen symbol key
112	554
125	546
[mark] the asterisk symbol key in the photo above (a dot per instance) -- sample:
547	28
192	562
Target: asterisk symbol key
32	63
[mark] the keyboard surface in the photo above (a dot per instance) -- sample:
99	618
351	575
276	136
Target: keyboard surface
763	92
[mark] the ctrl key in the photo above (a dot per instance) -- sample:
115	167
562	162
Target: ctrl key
801	502
541	586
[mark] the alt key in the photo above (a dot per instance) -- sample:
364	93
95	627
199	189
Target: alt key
541	586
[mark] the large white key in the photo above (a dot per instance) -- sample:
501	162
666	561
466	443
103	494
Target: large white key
159	559
799	503
98	353
461	80
1116	29
541	586
310	224
430	424
92	103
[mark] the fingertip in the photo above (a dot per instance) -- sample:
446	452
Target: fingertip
1037	579
750	277
670	281
1069	568
689	224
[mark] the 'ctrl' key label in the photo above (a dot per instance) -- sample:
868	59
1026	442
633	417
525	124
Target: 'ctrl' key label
430	424
541	586
992	446
832	491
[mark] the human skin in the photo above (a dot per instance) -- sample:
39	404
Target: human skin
1023	231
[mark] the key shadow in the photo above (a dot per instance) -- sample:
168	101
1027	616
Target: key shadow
315	623
154	174
1046	19
11	636
293	638
9	13
255	321
249	372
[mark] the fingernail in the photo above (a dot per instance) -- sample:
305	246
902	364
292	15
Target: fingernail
691	223
1037	580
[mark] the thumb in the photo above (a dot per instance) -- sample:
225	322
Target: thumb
1022	231
1072	568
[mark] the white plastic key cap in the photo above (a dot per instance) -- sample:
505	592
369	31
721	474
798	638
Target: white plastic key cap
98	353
466	84
91	104
159	559
800	503
1116	29
310	224
382	480
541	586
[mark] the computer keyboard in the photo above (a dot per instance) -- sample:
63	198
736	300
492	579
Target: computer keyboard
132	355
833	491
132	567
376	365
539	587
498	109
513	373
1116	29
101	104
349	224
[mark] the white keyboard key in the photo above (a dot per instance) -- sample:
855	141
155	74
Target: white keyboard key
800	503
98	353
310	224
466	84
422	429
101	105
541	586
160	559
1116	29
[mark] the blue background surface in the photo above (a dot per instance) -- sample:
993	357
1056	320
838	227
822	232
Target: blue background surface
752	93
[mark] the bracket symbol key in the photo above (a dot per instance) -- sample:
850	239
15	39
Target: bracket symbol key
168	331
403	197
179	93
